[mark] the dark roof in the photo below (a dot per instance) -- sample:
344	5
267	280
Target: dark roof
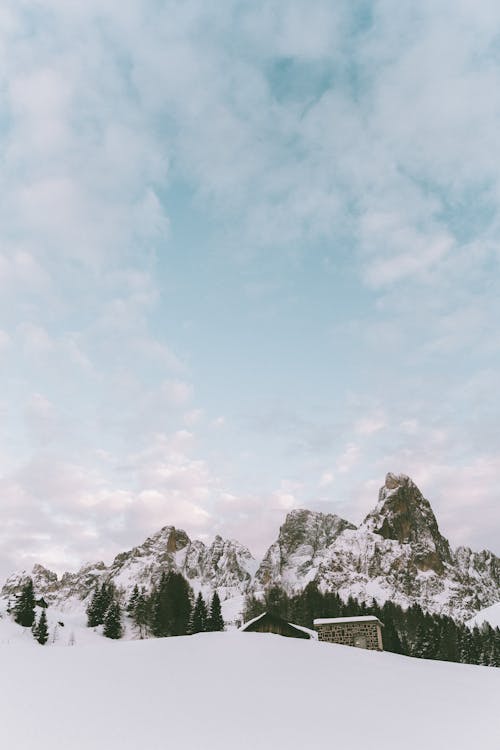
271	623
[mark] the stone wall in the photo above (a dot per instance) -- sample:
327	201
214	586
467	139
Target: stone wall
360	634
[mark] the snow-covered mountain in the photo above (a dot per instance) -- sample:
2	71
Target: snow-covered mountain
225	565
396	553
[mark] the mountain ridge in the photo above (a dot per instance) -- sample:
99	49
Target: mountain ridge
397	553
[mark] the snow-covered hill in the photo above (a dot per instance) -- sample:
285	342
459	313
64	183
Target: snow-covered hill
68	627
221	691
491	615
397	553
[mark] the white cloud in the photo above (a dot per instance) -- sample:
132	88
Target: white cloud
193	417
348	458
36	340
105	107
326	479
176	392
5	341
371	424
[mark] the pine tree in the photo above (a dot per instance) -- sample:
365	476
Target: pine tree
24	609
276	601
199	616
108	594
40	629
313	601
99	604
133	599
171	606
423	646
161	609
113	621
392	641
215	620
253	607
140	615
182	595
95	615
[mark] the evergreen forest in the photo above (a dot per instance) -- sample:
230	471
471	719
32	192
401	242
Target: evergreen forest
170	609
411	632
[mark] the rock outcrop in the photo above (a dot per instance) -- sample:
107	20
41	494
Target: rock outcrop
397	553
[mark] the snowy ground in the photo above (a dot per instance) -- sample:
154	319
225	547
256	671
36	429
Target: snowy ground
490	615
240	690
65	628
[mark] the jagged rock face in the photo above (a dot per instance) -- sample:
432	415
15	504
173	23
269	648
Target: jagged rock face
45	582
77	585
300	548
403	514
228	564
479	577
397	554
225	565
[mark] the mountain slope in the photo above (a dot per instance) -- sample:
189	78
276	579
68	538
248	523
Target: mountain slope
491	615
300	548
225	565
397	553
244	690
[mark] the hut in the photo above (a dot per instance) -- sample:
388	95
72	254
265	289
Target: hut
362	632
270	623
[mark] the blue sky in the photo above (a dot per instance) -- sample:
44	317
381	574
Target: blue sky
248	262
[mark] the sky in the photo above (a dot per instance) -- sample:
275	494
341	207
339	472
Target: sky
249	262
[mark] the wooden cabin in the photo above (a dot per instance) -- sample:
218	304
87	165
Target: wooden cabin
362	632
270	623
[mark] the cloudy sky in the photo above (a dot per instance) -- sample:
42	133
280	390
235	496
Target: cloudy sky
249	261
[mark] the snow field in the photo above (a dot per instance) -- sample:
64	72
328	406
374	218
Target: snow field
490	615
241	690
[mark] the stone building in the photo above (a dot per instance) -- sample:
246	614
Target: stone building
362	632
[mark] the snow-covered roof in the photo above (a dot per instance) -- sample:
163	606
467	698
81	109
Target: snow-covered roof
250	622
311	633
340	620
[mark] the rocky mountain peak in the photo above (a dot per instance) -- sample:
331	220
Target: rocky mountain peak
170	537
312	528
397	553
300	546
404	515
393	481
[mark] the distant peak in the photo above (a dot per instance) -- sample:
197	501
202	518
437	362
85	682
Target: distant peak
393	481
303	526
403	514
303	514
164	531
297	513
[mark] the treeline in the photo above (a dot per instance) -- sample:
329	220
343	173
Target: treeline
169	609
24	612
411	632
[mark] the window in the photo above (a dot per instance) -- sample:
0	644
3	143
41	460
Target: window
360	641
